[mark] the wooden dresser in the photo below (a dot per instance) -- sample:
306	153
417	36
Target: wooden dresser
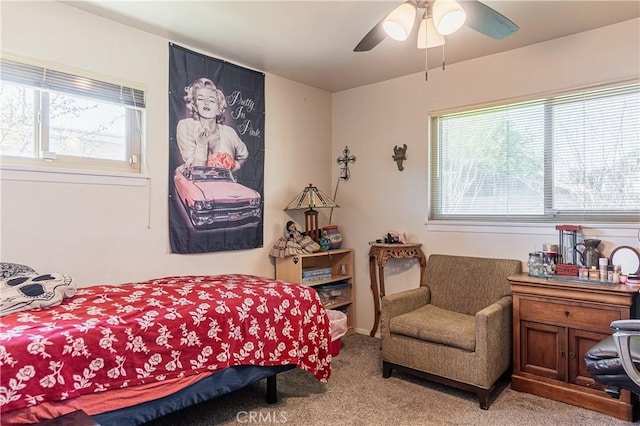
555	322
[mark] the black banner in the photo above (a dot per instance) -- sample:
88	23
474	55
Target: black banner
216	154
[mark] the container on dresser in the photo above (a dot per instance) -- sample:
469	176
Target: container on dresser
555	322
336	289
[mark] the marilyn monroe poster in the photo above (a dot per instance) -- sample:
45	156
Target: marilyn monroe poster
216	154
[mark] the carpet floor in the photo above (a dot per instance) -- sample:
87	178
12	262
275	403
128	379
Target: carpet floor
358	395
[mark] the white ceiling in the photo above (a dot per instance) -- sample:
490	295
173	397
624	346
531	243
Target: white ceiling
312	41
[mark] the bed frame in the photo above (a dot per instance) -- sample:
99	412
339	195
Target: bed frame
226	381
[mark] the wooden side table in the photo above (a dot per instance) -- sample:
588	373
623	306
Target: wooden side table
381	253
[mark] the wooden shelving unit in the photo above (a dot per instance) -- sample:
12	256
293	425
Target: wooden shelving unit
290	269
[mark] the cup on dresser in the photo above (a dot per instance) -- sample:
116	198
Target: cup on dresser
583	273
603	262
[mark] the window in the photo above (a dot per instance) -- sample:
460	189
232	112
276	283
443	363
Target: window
75	121
567	157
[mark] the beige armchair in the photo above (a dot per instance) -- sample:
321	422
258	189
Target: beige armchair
454	329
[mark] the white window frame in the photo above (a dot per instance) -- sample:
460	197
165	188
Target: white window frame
513	224
65	168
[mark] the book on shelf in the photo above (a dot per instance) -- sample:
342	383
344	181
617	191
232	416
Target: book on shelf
313	272
315	278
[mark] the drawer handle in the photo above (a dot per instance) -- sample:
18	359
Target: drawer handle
572	355
566	313
561	354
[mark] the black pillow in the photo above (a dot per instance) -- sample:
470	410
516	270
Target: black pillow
8	270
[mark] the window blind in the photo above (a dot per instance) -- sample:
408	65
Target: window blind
573	156
49	79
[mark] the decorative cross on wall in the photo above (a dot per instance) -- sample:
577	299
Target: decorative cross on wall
344	161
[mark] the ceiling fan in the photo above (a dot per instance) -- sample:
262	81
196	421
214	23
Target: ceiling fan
440	18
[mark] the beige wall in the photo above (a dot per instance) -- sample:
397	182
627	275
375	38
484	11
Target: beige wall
372	119
113	234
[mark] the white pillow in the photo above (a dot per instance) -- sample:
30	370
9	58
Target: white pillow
34	291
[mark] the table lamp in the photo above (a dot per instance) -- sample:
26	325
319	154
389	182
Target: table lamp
311	198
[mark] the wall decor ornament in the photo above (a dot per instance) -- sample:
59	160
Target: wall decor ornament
344	161
345	174
399	155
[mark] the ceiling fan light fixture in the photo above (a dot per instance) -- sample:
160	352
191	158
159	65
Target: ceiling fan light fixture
428	36
448	16
399	22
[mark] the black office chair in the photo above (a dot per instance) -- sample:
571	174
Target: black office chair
615	361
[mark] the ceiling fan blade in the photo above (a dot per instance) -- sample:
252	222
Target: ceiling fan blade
486	20
372	39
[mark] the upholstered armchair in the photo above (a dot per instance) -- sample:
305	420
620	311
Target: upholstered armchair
455	328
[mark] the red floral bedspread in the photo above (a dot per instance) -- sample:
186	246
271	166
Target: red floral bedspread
114	336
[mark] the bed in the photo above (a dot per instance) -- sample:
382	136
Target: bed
126	354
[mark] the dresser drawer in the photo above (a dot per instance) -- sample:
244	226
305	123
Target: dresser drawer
567	314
